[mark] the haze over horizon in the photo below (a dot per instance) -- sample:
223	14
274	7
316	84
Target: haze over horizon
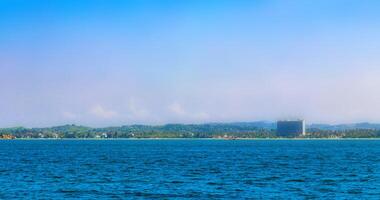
106	63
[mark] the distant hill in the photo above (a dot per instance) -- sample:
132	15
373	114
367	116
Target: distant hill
259	129
341	127
240	129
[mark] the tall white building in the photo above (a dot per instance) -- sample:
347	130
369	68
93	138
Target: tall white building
291	128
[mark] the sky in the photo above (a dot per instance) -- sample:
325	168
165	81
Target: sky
113	62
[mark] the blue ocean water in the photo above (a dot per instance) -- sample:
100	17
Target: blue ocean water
190	169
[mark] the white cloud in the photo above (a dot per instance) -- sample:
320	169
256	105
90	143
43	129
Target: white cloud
136	110
69	115
201	116
101	112
177	109
183	114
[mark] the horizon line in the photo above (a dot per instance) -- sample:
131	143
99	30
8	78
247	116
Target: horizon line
200	123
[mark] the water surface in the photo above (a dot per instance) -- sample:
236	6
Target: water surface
190	169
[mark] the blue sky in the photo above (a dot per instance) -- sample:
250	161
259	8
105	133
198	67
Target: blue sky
103	63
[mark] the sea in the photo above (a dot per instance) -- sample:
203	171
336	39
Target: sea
189	169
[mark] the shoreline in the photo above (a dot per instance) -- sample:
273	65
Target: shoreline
216	139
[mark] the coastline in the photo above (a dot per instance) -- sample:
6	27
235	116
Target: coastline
216	139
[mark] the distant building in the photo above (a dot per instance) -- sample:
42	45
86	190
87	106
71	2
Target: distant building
291	128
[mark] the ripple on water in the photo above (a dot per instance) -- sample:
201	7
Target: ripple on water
195	169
